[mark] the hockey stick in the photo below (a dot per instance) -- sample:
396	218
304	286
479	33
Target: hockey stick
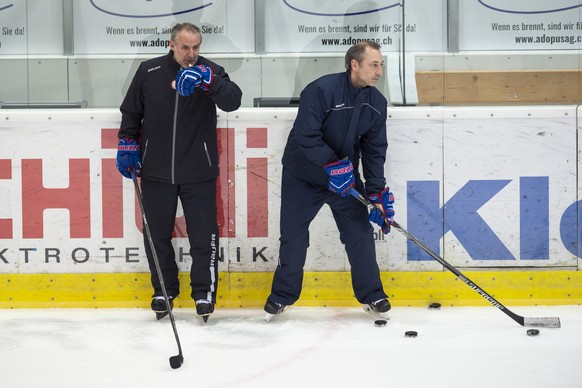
553	322
175	361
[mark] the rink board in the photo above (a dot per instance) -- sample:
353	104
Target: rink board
490	189
250	289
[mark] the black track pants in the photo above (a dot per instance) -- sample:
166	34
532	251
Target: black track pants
199	206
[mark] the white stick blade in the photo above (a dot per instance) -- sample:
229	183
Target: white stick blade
553	322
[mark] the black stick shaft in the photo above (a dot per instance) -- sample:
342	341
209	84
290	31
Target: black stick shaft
517	318
156	261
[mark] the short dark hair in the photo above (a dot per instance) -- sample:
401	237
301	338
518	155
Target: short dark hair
357	51
184	27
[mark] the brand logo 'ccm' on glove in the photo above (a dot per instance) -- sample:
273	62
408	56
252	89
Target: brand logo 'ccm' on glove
128	157
341	176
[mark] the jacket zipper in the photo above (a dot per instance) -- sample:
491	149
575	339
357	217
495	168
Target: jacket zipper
145	151
207	155
174	139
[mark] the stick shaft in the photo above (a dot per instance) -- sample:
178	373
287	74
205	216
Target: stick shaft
538	322
146	229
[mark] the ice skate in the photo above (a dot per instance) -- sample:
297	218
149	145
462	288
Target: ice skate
159	306
204	308
378	308
272	309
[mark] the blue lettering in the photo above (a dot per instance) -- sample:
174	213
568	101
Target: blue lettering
534	217
462	218
568	228
424	218
430	222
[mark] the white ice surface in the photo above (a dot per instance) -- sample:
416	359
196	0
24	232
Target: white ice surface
304	347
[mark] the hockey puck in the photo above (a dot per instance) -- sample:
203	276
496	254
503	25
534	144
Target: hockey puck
434	306
380	322
533	332
411	334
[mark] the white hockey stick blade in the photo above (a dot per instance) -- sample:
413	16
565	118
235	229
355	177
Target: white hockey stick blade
552	322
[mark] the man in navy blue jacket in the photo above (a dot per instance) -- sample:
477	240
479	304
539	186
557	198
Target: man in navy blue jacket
168	137
341	121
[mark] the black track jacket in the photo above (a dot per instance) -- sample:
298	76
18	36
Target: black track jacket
177	134
336	120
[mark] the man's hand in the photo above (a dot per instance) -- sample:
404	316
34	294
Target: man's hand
128	157
207	77
341	176
383	213
191	78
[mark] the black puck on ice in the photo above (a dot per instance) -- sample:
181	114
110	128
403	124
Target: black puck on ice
434	306
533	332
380	322
410	333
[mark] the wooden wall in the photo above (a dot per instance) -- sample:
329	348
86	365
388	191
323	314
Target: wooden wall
499	87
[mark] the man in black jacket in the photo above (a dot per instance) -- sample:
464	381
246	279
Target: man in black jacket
168	137
341	120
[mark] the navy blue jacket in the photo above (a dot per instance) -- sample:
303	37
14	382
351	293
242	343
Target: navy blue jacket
318	136
177	134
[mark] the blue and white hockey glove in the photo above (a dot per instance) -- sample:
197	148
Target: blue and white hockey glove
128	157
191	78
207	77
341	176
383	213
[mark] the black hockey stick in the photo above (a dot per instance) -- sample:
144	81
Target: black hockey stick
175	361
553	322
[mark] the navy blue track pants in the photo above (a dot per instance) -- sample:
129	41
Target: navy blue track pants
300	203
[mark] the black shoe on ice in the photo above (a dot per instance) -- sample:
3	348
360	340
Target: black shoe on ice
160	307
272	309
204	308
379	308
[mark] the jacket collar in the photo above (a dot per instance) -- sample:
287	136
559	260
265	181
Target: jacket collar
172	62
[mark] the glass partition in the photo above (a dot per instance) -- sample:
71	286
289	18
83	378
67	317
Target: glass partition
451	52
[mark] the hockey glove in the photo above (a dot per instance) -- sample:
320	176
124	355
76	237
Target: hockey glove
191	78
128	157
341	176
383	213
207	77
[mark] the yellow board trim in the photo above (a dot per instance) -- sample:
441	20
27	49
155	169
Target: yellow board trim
250	289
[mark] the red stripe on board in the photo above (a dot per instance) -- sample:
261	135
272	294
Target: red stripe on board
6	173
256	137
112	198
225	191
257	197
109	138
76	198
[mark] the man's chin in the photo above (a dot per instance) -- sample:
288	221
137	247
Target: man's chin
187	63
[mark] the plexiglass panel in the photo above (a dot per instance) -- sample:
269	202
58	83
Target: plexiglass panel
451	52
